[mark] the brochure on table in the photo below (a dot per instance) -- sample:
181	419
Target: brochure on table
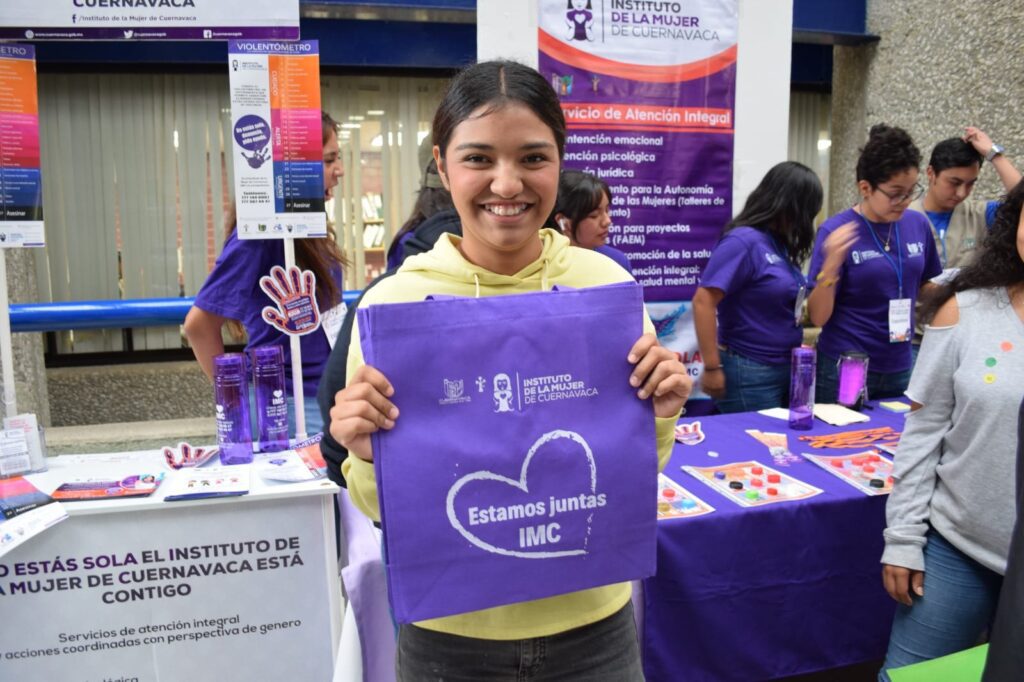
25	511
117	466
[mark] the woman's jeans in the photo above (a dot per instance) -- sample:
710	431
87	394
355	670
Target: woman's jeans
751	385
605	651
958	605
890	385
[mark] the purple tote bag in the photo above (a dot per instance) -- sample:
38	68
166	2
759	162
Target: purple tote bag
523	465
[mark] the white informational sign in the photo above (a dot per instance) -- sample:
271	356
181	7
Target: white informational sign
149	19
221	590
276	139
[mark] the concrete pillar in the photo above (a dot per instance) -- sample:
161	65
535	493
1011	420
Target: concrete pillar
29	370
938	68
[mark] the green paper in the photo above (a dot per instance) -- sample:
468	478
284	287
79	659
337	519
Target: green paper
963	666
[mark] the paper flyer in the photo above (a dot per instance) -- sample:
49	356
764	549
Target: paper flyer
276	139
21	188
218	481
676	502
868	471
25	511
304	462
104	488
752	484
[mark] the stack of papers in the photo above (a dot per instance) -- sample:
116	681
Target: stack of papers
837	415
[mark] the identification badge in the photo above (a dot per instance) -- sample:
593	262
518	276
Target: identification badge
331	321
899	320
798	307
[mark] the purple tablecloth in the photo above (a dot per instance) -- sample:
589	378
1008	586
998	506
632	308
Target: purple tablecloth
767	592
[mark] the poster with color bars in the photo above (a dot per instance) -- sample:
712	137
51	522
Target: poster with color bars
277	141
676	502
867	471
21	187
752	484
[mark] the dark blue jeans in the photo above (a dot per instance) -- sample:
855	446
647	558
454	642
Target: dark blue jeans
605	651
880	385
958	605
751	385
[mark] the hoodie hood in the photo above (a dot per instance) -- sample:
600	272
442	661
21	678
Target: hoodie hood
445	261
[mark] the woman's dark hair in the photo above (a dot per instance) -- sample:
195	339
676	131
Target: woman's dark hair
429	201
954	153
889	150
784	205
998	264
496	84
319	255
579	195
568	4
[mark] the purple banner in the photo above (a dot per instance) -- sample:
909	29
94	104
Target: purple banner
520	468
648	91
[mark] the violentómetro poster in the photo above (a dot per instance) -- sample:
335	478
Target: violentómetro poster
648	92
21	188
276	139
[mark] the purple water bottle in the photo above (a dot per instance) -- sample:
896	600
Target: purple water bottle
231	393
271	398
801	388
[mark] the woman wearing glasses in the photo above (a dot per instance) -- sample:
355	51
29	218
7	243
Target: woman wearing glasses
870	263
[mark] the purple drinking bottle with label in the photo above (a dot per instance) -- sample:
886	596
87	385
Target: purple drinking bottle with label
231	394
801	388
271	398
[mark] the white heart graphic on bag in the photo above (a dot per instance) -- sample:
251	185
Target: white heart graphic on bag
277	393
523	485
580	17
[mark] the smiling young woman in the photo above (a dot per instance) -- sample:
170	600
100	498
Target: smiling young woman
499	136
501	168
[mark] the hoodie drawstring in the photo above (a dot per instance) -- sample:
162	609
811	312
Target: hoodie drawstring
476	283
544	276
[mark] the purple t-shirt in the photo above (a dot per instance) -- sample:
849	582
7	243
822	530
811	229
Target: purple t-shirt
755	319
616	256
233	290
868	280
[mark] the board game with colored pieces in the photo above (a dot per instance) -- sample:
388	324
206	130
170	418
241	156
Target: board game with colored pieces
867	471
752	484
676	502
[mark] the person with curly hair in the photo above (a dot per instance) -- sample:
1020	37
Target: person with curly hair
869	265
951	513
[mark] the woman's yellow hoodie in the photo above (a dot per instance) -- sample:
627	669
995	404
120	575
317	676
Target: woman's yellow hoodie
444	270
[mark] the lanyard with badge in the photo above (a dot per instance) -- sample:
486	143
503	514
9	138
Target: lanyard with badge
899	308
801	284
